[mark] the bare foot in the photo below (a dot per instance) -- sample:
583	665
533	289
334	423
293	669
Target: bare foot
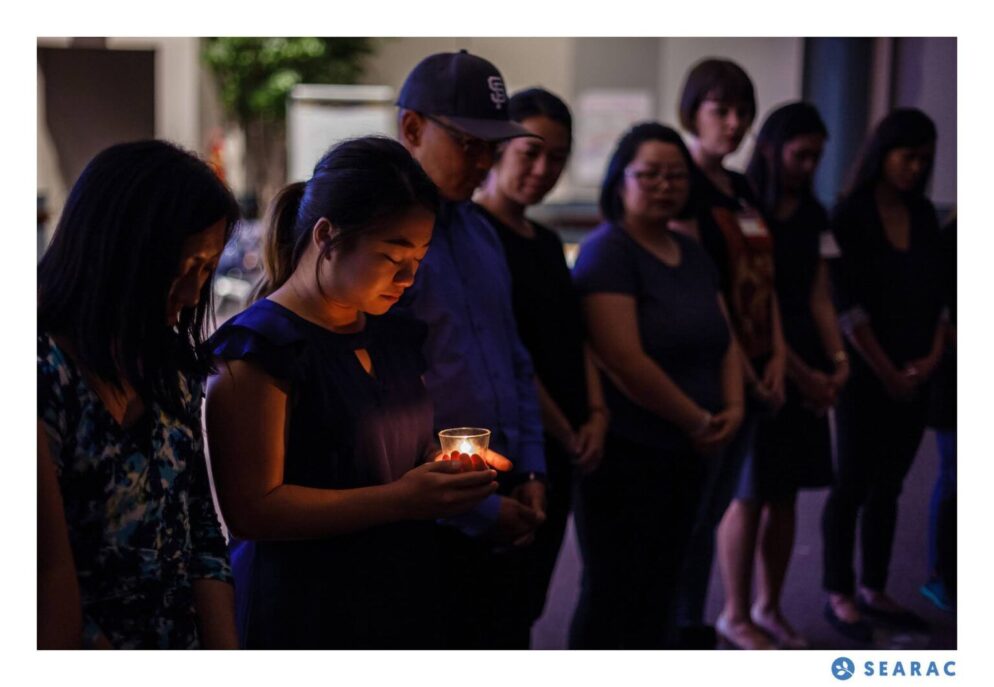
742	635
844	607
774	624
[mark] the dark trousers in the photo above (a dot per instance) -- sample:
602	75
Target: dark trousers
540	557
493	595
633	519
478	585
723	475
877	442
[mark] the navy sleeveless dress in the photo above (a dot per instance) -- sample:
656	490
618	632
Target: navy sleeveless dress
346	429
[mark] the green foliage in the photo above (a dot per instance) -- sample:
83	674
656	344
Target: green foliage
255	75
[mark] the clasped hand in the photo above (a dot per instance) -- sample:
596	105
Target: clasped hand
520	515
719	431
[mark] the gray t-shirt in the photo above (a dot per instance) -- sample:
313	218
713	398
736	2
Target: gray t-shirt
680	324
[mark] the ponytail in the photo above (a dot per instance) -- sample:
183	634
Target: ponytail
358	185
280	253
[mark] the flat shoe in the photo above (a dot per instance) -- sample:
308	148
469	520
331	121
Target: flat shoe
902	619
859	631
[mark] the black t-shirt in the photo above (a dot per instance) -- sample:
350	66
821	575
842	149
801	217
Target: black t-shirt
900	291
547	312
680	324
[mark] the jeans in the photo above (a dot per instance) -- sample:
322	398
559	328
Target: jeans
942	513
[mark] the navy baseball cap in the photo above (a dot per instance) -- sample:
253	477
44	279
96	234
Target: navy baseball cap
465	89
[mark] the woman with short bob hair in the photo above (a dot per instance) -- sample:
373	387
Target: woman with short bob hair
716	80
130	552
717	107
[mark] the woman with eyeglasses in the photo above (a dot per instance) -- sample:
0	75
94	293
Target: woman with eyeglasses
547	312
671	377
717	107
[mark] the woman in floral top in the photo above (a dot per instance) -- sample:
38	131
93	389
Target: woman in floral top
130	552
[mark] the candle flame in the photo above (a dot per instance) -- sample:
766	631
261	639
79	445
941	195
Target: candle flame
465	447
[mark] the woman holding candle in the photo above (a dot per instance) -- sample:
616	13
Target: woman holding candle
888	272
319	425
547	313
793	448
717	107
672	382
130	552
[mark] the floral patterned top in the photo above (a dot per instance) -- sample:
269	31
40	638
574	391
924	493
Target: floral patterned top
141	520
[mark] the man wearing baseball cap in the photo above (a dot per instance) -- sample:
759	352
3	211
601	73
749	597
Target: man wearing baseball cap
453	113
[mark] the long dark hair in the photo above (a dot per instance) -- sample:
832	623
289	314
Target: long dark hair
359	185
902	128
716	78
104	281
765	170
612	208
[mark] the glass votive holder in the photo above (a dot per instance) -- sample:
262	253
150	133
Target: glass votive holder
467	444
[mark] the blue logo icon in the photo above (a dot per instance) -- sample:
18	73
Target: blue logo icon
843	668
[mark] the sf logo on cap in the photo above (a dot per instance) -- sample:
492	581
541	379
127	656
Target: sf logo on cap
497	93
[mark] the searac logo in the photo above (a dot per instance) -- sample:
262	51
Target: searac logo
909	669
497	92
843	668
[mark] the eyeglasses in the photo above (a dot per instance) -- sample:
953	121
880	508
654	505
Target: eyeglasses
471	146
647	178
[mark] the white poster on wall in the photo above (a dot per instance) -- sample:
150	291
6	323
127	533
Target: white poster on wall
602	115
319	115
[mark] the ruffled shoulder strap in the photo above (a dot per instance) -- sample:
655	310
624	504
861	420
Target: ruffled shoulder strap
266	334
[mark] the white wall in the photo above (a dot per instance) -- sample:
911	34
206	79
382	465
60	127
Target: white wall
776	66
50	181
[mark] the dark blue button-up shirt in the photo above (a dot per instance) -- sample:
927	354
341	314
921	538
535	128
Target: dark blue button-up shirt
479	372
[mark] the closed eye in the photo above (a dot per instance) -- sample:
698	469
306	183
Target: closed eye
395	262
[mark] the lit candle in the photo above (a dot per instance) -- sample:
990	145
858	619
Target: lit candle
468	441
